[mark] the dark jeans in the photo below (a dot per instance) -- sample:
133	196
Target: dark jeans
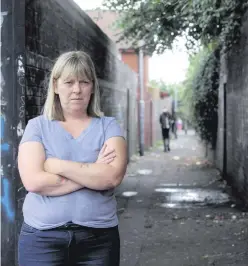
166	138
69	247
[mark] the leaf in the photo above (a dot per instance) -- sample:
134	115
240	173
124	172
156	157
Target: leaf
160	22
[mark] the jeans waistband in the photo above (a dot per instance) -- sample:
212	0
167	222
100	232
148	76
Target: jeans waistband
69	225
72	226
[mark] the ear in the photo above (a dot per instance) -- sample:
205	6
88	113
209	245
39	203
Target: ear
55	87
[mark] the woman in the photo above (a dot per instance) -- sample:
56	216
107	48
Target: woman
70	160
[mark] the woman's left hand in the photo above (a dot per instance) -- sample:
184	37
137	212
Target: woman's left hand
52	165
106	155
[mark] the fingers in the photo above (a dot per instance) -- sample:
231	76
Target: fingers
112	155
107	159
110	160
108	152
103	149
106	155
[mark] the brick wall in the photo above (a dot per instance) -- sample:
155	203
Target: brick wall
231	155
131	59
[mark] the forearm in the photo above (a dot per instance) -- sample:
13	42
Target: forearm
63	189
48	184
93	175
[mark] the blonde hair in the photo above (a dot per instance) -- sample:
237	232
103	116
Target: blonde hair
74	63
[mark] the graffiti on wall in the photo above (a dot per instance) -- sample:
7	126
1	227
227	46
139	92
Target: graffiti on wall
21	83
6	199
3	102
4	146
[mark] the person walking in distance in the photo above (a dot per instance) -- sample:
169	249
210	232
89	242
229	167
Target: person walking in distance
165	127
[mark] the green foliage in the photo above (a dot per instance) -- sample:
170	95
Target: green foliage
212	24
159	22
203	79
166	87
195	61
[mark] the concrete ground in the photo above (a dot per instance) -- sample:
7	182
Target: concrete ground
175	210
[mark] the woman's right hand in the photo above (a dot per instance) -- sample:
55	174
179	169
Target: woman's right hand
106	155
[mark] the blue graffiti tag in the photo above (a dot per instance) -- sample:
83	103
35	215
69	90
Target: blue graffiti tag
4	146
6	199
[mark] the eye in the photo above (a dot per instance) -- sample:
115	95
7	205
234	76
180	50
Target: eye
84	82
68	82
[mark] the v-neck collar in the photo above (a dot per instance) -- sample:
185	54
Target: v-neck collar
83	132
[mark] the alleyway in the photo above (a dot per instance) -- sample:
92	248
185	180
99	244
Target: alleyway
175	211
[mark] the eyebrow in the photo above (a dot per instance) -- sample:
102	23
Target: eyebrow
72	78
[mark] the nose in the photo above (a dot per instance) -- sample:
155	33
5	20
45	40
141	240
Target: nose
76	87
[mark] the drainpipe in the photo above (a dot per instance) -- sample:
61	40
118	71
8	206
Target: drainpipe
141	100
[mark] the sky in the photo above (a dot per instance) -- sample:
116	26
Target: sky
169	67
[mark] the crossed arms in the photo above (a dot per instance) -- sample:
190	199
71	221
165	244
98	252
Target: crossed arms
55	177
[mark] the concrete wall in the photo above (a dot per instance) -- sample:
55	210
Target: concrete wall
218	155
34	33
132	60
231	155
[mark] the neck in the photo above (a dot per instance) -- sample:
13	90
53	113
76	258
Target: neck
76	116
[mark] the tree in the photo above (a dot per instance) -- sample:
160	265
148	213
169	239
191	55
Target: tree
201	92
160	22
209	24
189	95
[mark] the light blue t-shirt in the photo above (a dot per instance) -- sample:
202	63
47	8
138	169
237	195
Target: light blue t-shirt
85	207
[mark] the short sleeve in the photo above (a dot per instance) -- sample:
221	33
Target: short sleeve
113	129
32	132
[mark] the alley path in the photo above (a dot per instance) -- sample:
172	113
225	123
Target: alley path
174	210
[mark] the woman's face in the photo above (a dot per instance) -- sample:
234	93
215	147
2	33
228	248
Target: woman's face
74	93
